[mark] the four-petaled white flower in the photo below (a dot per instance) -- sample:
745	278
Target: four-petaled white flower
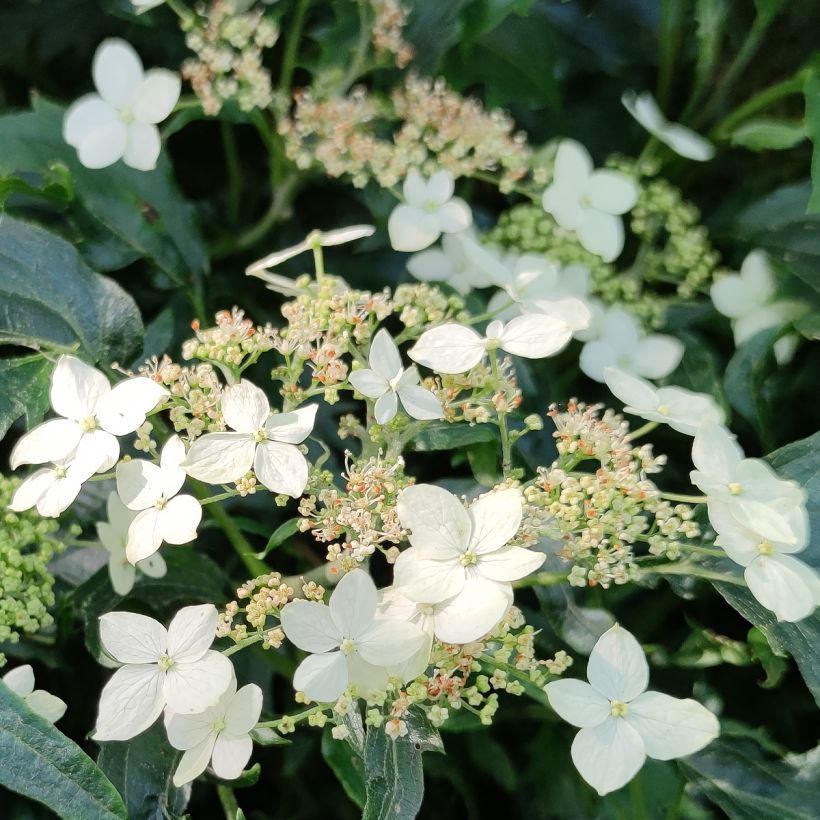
681	140
94	414
589	202
429	210
681	409
114	535
151	491
460	558
388	382
454	348
621	344
452	263
754	494
220	734
52	489
781	582
748	299
621	723
172	667
120	121
21	681
351	646
263	440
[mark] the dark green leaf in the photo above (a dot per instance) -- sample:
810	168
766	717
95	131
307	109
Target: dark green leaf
25	390
43	764
809	325
441	435
280	535
773	664
484	462
769	135
347	766
811	91
249	777
582	626
265	736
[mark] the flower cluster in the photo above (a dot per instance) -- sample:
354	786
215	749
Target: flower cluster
389	19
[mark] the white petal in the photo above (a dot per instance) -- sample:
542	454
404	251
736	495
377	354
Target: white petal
385	407
366	677
612	191
440	187
340	236
644	108
220	457
322	677
96	451
576	702
449	348
732	296
535	336
573	312
785	585
631	390
144	535
368	383
33	489
384	356
716	453
430	266
293	427
454	216
686	143
426	579
563	201
139	483
245	407
122	574
281	468
104	145
52	440
58	497
756	275
573	164
686	411
436	519
231	754
117	72
602	234
386	642
415	188
617	665
193	686
132	638
595	358
495	519
188	731
510	564
119	516
130	702
657	355
84	116
353	603
609	755
420	403
412	229
474	612
244	710
153	566
156	95
310	626
142	147
671	727
20	680
124	409
48	706
191	632
172	456
179	520
194	762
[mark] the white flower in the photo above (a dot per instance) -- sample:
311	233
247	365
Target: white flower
388	382
21	681
452	263
263	440
782	583
754	494
172	667
622	345
52	489
621	723
681	140
589	202
681	409
351	646
454	348
220	734
430	209
747	298
94	414
460	558
120	121
393	605
151	491
114	535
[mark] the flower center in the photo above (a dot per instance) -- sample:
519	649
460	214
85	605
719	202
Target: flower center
430	206
765	548
618	708
218	725
394	382
468	558
348	646
663	409
735	488
165	663
127	116
260	435
161	503
88	424
59	471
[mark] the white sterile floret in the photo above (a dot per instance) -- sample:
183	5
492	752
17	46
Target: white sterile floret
350	646
120	121
388	382
454	348
748	299
621	344
781	582
220	734
589	202
681	140
461	559
262	440
393	605
621	723
93	415
52	489
21	681
452	263
681	409
113	535
151	491
429	210
172	667
754	494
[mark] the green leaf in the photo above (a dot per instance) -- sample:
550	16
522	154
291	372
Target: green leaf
775	666
484	463
41	763
50	298
711	17
347	765
442	435
769	135
25	390
280	535
142	769
811	91
265	736
809	325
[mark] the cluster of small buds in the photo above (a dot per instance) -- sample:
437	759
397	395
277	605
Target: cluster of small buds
144	443
261	598
229	44
390	17
362	518
419	304
234	341
478	396
432	126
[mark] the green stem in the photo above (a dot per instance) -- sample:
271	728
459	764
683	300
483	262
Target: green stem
759	102
669	41
506	449
702	550
483	317
685	499
220	497
292	46
642	431
234	171
228	801
103	476
694	571
318	261
181	10
358	63
297	718
249	641
542	579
